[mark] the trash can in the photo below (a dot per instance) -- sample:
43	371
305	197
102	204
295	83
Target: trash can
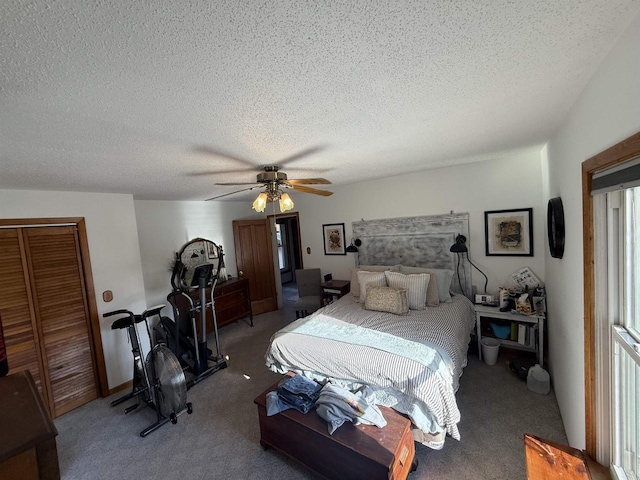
490	348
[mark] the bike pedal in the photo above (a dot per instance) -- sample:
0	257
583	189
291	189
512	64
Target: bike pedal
131	408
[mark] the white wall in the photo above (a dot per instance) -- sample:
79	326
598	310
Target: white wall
607	112
164	226
499	184
114	252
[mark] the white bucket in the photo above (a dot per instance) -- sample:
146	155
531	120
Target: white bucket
490	348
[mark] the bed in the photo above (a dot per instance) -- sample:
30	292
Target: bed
411	362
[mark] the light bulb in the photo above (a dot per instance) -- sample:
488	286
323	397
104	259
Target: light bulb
260	202
285	202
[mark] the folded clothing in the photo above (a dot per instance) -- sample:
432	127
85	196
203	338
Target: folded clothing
296	392
337	405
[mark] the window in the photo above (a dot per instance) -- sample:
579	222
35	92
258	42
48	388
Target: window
617	341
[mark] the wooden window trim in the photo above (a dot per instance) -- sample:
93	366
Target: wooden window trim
621	152
96	337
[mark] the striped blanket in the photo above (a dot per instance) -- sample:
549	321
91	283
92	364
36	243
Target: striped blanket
417	375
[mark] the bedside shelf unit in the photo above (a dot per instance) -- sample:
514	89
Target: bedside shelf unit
334	289
495	313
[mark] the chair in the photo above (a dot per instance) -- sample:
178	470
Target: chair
309	291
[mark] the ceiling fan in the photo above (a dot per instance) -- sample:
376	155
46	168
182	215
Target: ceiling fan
273	181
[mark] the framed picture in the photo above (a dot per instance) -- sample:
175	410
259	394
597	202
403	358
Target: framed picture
333	234
509	232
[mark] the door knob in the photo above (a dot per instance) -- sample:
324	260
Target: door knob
240	273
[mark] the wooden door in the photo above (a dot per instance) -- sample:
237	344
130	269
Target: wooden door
254	260
62	315
18	316
45	314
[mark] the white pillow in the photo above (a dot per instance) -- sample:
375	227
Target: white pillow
355	286
369	278
443	279
416	286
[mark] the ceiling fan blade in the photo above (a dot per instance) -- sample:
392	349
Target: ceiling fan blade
315	191
217	172
242	183
308	181
299	155
232	193
207	150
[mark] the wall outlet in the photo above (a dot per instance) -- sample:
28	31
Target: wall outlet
483	298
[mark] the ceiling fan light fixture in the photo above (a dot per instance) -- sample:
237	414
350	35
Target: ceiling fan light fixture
260	202
285	202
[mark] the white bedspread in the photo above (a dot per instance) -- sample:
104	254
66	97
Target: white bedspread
401	382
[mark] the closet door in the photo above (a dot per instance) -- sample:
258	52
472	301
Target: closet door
18	317
62	315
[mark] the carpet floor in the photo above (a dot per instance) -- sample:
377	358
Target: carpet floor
220	440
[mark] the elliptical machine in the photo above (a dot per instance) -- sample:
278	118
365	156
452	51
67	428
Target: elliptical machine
159	380
196	269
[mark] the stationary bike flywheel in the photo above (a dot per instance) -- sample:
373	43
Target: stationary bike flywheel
172	384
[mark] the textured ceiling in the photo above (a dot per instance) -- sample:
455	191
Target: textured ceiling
147	97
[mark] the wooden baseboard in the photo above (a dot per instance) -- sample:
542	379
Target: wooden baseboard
120	387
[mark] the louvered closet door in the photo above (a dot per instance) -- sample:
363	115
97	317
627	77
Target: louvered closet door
18	318
62	315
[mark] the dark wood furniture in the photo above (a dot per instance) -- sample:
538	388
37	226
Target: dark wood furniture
354	451
334	289
28	439
233	303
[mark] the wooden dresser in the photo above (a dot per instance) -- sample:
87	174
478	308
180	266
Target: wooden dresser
28	438
233	302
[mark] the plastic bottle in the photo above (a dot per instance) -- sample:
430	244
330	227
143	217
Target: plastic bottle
538	380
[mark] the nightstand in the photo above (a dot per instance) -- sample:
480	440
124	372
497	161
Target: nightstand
535	341
334	289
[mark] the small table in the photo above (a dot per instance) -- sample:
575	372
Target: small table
334	289
494	312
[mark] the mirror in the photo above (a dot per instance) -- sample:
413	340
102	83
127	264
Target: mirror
199	260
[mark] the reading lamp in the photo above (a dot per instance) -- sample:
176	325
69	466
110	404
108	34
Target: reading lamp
354	248
460	247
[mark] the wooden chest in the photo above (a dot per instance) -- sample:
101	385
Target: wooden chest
354	451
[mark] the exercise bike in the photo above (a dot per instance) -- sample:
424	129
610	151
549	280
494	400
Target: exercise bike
159	380
197	268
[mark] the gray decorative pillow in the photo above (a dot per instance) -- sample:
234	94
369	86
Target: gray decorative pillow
387	299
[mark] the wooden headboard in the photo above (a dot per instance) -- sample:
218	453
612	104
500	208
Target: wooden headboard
416	242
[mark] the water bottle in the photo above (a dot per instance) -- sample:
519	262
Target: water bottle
538	380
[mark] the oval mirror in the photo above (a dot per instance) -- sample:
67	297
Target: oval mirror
199	263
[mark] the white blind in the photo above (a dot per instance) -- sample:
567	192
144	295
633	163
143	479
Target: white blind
620	177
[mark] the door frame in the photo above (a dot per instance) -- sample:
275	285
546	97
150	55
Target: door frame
295	215
94	319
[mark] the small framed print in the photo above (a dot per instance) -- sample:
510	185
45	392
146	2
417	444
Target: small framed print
333	234
509	232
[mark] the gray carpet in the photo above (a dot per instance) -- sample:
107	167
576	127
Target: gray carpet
220	440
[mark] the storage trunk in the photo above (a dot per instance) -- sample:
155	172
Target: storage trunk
354	451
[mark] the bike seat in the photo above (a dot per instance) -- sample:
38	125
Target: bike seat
125	322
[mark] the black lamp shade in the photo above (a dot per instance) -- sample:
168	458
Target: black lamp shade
354	248
460	246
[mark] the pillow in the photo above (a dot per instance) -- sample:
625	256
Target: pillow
416	286
433	299
355	287
365	278
443	280
387	299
